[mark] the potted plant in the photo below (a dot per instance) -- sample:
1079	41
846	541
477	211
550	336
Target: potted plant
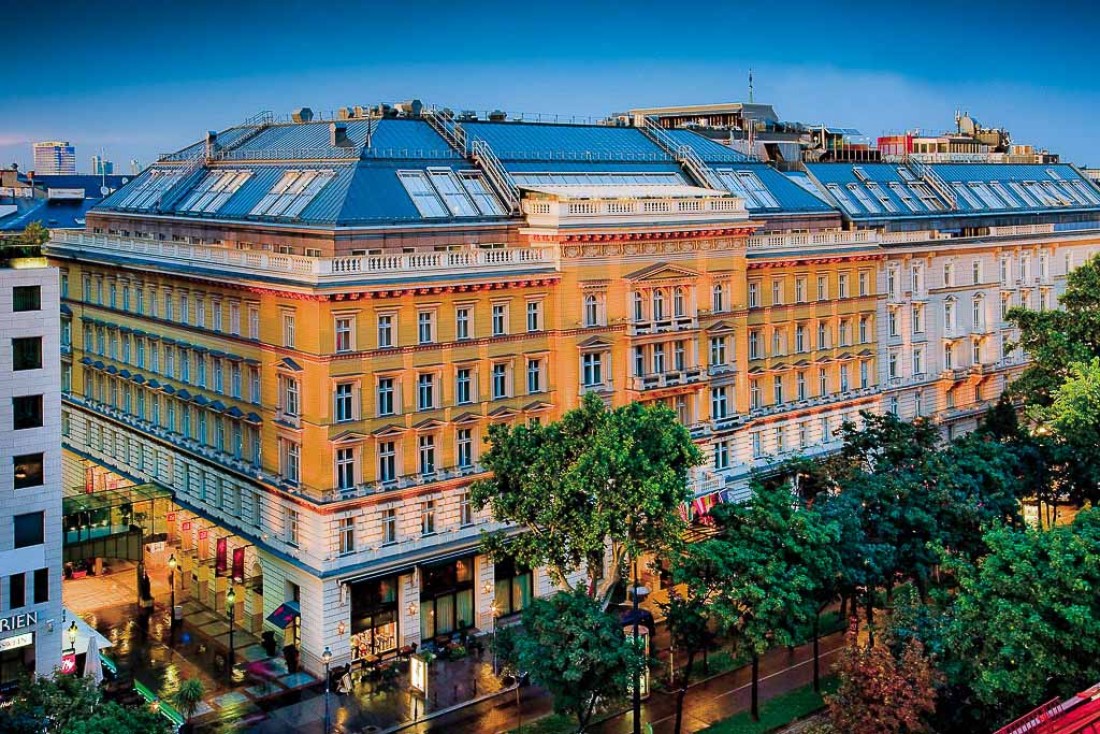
188	697
80	569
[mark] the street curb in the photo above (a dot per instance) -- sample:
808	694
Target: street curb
449	709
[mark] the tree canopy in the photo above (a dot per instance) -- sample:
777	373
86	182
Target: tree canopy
70	704
577	651
593	478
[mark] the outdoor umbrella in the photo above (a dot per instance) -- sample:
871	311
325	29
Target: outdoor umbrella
93	668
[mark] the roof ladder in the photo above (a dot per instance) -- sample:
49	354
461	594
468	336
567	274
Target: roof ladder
933	179
502	181
258	122
685	155
448	128
190	167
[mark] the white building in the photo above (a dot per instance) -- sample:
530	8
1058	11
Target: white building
31	618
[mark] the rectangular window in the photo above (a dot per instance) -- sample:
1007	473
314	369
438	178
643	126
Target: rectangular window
26	412
842	285
534	376
717	350
465	510
592	369
387	461
385	330
291	397
26	353
17	590
253	322
386	401
464	444
721	455
500	381
425	391
344	408
719	408
344	331
427	517
389	526
26	298
30	529
345	468
822	288
500	318
426	446
346	531
462	323
288	330
463	386
534	316
41	586
754	294
28	471
291	526
425	327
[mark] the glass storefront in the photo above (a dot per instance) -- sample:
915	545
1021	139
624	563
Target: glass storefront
373	617
446	597
514	587
16	660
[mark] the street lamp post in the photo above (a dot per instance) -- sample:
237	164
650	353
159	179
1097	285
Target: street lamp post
326	658
172	609
637	592
231	600
72	636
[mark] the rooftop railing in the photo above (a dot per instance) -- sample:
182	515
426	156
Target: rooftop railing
223	261
550	212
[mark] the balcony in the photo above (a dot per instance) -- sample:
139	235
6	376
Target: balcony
666	379
664	326
565	208
840	238
223	262
715	370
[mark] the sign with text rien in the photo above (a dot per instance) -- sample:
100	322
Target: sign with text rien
12	643
18	621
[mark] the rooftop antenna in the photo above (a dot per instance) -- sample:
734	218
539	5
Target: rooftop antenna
750	85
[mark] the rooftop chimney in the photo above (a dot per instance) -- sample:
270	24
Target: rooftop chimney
338	134
211	142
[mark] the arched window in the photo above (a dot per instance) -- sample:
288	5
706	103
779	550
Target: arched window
718	298
658	304
639	308
678	301
978	311
591	310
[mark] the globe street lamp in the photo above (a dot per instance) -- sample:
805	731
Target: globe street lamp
172	585
326	658
231	600
72	637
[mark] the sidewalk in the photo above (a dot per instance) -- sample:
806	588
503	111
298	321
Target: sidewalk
706	703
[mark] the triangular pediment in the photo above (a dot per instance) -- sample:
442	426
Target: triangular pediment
720	326
502	413
348	437
389	430
662	271
537	407
594	341
466	418
428	424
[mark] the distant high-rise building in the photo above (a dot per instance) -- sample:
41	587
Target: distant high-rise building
101	166
135	167
54	158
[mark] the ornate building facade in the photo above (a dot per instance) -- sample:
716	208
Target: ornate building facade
304	331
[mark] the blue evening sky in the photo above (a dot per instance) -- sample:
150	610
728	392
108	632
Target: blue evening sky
139	77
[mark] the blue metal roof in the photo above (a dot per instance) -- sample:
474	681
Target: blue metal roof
792	197
709	150
977	188
55	214
527	141
91	183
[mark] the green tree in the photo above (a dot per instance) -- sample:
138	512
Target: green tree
69	704
754	572
880	693
1025	622
594	478
189	696
688	624
577	651
1057	339
1071	422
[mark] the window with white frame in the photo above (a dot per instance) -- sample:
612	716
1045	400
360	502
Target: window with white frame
389	526
592	310
679	305
385	396
534	316
345	468
346	532
425	327
463	321
717	350
754	293
592	369
918	318
800	384
718	298
500	319
387	461
534	376
721	455
777	292
822	288
918	360
465	510
425	391
719	403
427	517
290	395
288	330
386	330
344	402
291	455
754	344
291	526
500	381
800	289
777	389
464	448
842	285
345	333
426	450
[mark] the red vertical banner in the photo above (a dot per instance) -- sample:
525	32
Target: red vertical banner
238	565
220	556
